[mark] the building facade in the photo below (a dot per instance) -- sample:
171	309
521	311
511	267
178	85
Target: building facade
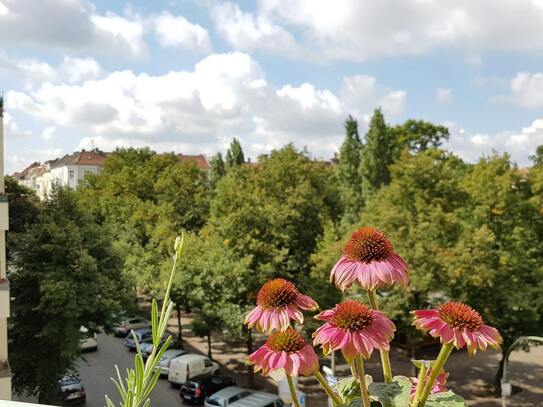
71	169
67	171
5	372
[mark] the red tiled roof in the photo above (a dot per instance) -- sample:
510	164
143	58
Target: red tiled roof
93	157
200	160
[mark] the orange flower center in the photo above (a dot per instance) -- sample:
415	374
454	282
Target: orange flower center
287	341
367	244
461	316
352	316
277	293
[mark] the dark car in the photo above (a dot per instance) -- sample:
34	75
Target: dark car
71	390
196	389
143	335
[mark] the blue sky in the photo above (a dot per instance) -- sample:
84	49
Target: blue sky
187	76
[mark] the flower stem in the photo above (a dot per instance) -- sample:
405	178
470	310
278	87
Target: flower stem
362	381
326	387
385	358
293	395
437	365
420	385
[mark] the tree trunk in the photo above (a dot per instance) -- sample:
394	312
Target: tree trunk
209	346
179	327
251	377
499	372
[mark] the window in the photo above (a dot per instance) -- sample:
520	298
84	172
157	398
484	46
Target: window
72	174
87	172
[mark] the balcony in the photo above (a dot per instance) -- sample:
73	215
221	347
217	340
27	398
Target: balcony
4	298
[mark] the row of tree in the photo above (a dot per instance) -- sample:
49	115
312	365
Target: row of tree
472	232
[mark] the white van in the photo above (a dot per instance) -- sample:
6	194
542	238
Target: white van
190	365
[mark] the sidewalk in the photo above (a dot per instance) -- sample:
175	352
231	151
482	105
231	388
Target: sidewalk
472	377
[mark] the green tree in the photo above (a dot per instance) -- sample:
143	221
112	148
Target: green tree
65	274
380	146
147	199
537	158
234	155
23	206
217	169
419	135
347	170
271	214
496	264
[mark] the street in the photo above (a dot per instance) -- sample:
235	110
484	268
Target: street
98	368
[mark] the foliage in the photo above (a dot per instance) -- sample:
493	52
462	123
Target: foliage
347	170
135	389
419	135
217	168
23	205
234	155
146	198
65	274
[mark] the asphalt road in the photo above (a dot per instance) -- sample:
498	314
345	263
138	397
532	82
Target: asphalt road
98	367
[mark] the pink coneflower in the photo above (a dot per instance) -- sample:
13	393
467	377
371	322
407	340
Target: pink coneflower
368	258
438	387
354	328
278	302
285	350
457	323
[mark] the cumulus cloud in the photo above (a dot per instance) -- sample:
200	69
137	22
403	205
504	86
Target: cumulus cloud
520	144
69	25
247	31
527	89
443	95
360	30
225	95
177	31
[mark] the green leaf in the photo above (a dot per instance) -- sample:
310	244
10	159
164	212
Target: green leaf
395	394
347	389
420	362
445	399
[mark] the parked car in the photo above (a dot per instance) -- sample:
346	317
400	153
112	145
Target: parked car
197	388
143	335
88	341
146	346
164	362
190	365
259	399
226	396
71	390
128	324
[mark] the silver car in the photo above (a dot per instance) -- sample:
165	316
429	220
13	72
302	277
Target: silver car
226	396
129	324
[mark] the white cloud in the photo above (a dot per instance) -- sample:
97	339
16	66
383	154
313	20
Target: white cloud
69	25
48	132
359	30
527	89
443	95
520	144
71	70
173	31
225	95
246	31
79	69
361	94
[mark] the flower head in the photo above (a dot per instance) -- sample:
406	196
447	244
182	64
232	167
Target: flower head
460	324
369	259
438	387
285	350
354	328
278	302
